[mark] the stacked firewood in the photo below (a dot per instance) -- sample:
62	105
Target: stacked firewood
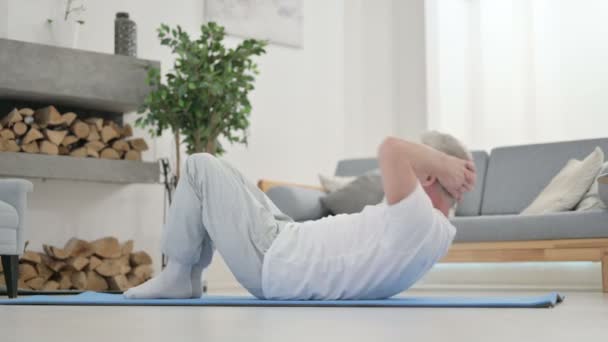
47	131
100	265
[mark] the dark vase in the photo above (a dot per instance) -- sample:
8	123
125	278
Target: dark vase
125	35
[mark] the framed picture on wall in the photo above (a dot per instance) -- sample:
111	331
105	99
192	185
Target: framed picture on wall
278	21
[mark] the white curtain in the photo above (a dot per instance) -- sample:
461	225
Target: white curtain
504	72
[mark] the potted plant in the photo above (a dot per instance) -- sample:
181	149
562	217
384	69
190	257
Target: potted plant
205	96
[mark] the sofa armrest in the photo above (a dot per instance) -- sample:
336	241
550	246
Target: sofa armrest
14	192
301	204
267	184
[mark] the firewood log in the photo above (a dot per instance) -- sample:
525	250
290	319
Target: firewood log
63	150
79	152
143	272
11	146
29	120
55	265
107	247
22	285
50	285
93	133
126	131
134	280
138	144
108	133
80	129
121	146
68	118
2	280
44	271
31	147
140	258
109	153
55	252
19	128
69	140
31	257
79	280
119	283
92	153
11	118
48	116
7	134
112	267
32	135
133	155
78	263
95	145
97	122
56	137
36	283
126	248
27	271
26	111
65	280
49	148
95	282
94	262
78	248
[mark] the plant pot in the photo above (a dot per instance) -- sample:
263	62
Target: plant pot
64	33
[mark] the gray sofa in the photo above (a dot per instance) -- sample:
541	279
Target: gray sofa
508	180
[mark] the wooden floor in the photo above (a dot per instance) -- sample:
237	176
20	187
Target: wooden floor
583	316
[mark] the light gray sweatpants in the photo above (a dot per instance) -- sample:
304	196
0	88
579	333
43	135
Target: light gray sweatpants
214	206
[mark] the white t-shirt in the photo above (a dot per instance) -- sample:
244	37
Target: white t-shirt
374	254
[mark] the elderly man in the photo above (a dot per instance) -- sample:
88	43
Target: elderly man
374	254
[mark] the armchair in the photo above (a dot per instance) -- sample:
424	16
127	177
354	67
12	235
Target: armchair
13	196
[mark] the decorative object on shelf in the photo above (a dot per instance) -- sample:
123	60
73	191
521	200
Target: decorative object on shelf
100	265
205	96
65	27
125	35
47	131
277	21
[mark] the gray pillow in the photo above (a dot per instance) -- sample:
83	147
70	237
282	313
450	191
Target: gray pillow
365	190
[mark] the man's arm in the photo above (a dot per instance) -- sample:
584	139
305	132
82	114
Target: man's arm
402	163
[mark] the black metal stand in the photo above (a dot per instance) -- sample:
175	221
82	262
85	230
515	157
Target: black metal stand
11	274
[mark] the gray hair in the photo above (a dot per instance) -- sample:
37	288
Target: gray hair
447	144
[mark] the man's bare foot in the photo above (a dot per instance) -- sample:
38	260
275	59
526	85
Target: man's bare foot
175	281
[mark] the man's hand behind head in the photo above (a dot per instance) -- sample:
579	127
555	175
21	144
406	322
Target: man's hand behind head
457	176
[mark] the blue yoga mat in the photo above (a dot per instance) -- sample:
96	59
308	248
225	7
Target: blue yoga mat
97	299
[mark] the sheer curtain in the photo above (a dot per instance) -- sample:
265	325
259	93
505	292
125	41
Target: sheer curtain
504	72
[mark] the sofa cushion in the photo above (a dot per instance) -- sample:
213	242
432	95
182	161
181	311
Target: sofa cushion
300	204
8	216
356	167
471	201
563	225
569	186
363	191
517	174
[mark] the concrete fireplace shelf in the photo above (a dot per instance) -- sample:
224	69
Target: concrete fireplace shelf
25	165
68	77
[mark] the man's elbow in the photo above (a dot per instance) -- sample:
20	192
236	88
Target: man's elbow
389	148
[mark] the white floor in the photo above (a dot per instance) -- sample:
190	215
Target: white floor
583	316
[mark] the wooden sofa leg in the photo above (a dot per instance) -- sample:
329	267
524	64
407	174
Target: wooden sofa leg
9	263
605	272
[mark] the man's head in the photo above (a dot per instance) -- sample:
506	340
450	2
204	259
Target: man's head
449	145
